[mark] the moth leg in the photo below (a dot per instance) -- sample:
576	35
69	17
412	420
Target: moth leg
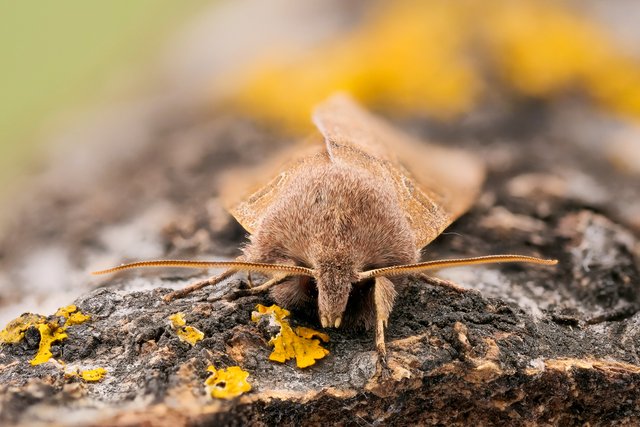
258	289
443	283
384	294
199	285
249	279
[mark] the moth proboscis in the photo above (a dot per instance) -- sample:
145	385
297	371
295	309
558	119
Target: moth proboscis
339	221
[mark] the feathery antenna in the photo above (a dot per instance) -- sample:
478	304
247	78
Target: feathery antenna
398	270
235	265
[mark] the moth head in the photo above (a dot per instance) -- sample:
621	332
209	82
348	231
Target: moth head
334	282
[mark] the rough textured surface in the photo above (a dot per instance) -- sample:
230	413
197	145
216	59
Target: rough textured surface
532	345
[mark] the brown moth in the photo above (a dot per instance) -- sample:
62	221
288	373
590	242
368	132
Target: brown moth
342	223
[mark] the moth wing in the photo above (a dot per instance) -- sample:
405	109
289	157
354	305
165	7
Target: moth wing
434	184
244	192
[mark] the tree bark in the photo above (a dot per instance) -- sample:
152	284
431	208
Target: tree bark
527	345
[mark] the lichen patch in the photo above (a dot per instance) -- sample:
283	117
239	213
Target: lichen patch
184	332
50	331
303	344
48	335
14	331
227	383
72	315
93	375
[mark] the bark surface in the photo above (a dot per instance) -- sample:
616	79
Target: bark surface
528	345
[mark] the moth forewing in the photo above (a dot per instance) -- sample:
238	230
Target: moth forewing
248	193
434	184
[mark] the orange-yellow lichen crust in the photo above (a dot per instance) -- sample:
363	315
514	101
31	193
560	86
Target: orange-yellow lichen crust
50	332
413	56
227	383
186	333
48	335
303	344
72	315
391	59
93	375
14	331
87	375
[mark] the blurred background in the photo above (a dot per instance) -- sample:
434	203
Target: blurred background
62	58
88	87
433	58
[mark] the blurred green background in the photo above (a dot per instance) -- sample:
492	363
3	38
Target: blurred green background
60	54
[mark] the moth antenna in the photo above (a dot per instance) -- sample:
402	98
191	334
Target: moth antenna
398	270
235	265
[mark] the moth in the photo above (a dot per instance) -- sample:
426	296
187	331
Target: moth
338	222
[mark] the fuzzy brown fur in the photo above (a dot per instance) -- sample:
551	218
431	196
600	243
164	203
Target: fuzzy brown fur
359	197
338	220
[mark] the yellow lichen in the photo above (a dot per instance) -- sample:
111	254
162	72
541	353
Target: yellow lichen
93	375
177	320
190	335
50	332
48	335
278	312
72	315
227	383
413	56
311	333
287	344
187	334
88	375
391	60
66	311
14	331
